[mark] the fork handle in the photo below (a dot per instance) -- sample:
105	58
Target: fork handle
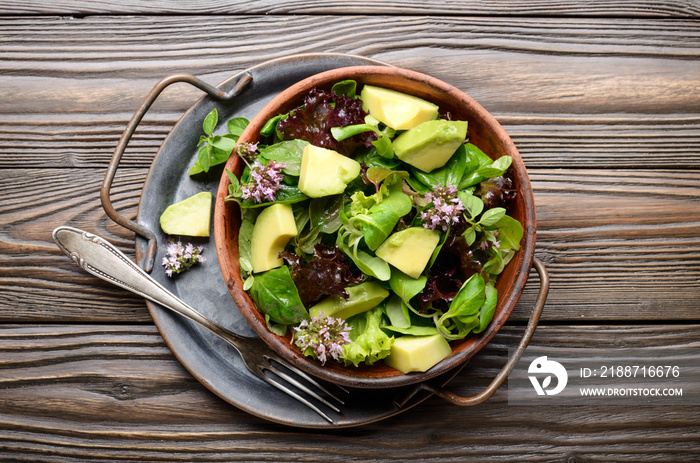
100	258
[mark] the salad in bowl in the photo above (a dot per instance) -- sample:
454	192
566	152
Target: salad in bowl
375	226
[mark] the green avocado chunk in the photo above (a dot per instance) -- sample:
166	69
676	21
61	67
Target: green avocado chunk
396	109
273	229
189	217
417	353
431	144
409	250
325	172
362	298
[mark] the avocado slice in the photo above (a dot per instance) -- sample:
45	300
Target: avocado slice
273	229
417	353
189	217
362	298
398	110
431	144
325	172
409	250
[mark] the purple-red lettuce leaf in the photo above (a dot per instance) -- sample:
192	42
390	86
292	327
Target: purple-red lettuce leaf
497	192
320	112
326	273
454	264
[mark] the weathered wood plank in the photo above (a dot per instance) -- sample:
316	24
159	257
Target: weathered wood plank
629	8
70	86
609	236
112	393
616	243
150	46
645	141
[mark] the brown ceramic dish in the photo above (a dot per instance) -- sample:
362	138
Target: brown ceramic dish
484	131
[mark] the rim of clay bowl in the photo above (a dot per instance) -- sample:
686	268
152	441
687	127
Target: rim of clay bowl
484	131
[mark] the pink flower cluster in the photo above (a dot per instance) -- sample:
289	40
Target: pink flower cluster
445	210
247	150
322	336
485	244
263	182
180	258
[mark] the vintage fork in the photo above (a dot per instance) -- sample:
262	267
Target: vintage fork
100	258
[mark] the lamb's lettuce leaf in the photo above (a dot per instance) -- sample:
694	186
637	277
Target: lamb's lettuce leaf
463	315
380	219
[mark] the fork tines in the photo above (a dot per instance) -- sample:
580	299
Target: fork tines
292	380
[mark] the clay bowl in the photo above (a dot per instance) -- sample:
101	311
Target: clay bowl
484	131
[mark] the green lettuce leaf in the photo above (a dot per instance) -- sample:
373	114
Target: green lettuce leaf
276	296
369	343
381	218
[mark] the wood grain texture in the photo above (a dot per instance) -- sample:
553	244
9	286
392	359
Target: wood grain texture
609	235
615	242
629	8
115	393
35	271
571	92
601	98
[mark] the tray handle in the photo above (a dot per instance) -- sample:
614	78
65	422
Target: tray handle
507	368
214	92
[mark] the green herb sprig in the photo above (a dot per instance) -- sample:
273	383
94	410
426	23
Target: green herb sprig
216	149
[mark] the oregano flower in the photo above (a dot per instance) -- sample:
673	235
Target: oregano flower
490	240
247	150
445	208
263	181
321	337
180	258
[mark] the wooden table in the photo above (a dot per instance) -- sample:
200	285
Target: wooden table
602	100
